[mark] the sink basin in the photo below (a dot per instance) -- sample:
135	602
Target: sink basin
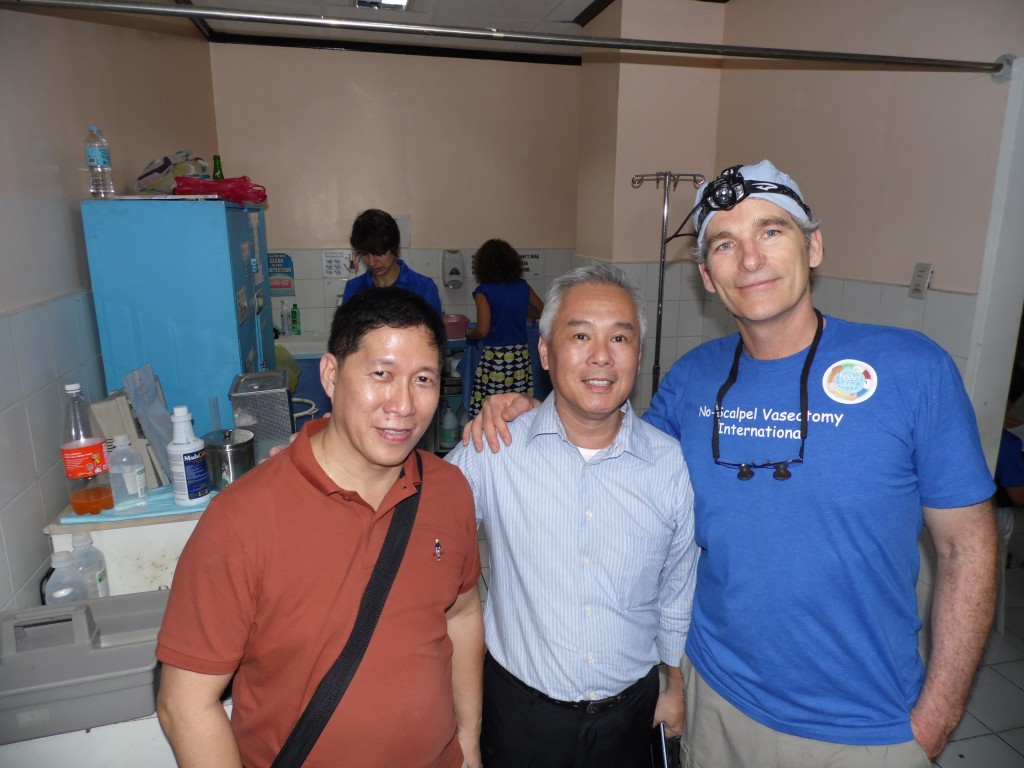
305	345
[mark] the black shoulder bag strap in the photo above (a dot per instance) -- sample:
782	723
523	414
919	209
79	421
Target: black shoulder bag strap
325	700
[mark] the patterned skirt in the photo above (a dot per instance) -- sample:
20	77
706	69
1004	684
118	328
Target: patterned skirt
501	369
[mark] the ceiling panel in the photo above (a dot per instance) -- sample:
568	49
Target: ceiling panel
544	17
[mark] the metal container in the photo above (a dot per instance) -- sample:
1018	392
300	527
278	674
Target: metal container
261	403
230	453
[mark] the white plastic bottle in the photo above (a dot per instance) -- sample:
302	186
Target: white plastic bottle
286	319
127	477
97	158
449	427
186	454
91	563
66	584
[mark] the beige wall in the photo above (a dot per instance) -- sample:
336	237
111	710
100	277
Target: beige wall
151	94
468	149
644	113
899	165
471	149
598	141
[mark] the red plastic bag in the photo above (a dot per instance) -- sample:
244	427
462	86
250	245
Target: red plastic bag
239	189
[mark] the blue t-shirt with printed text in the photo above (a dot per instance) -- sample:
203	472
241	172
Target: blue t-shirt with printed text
805	615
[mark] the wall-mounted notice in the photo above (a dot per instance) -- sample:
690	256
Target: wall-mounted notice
282	274
532	264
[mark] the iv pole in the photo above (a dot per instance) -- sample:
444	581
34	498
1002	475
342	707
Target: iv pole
670	181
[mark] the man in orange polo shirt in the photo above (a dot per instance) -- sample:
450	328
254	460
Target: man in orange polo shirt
268	586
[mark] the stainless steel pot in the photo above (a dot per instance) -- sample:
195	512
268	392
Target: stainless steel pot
230	453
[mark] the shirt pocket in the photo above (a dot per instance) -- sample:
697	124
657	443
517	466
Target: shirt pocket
638	570
438	549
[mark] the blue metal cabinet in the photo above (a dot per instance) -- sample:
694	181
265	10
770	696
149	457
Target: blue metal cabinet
182	285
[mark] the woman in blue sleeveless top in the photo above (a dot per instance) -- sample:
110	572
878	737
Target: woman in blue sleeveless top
504	304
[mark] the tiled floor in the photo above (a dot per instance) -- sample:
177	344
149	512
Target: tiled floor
991	734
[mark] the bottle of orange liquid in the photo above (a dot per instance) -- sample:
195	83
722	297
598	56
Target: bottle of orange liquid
85	457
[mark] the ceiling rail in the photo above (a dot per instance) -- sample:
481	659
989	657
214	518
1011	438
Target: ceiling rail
998	68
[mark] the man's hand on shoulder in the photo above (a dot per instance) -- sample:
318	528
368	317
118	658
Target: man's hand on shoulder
492	421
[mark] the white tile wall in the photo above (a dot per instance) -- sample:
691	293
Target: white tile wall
32	348
334	289
10	381
945	317
316	295
691	286
947	321
41	349
18	467
427	261
898	309
6	586
828	295
718	321
557	261
861	301
22	521
691	319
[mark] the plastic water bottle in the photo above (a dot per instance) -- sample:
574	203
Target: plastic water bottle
449	427
286	319
186	454
66	584
91	563
84	452
97	157
127	477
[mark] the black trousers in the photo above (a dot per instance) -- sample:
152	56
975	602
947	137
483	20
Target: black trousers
522	729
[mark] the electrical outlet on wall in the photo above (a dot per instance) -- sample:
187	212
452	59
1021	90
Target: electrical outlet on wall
919	280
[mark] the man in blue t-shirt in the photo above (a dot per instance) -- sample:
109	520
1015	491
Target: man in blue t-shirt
817	448
375	241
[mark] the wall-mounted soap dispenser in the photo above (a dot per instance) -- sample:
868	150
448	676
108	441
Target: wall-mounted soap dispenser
453	268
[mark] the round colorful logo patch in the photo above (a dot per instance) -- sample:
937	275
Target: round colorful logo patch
849	381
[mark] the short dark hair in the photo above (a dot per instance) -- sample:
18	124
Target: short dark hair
497	262
378	308
375	231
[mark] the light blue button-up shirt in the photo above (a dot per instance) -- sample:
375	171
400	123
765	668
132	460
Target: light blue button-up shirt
593	563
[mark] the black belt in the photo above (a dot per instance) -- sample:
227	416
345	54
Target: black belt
591	707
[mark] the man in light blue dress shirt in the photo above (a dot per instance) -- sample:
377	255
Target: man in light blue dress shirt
589	516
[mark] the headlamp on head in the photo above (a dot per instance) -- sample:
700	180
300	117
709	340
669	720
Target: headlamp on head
730	188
